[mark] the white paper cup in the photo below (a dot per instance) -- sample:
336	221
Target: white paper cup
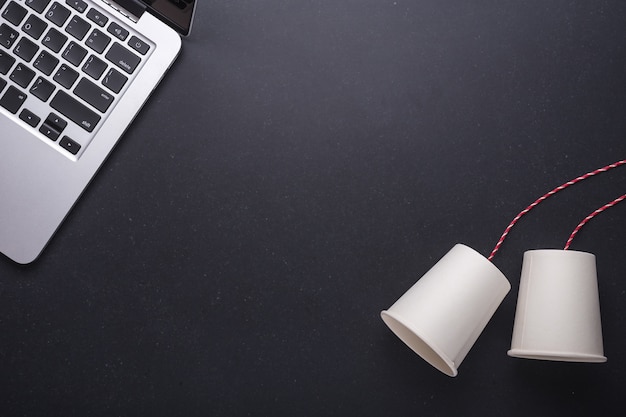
442	315
558	309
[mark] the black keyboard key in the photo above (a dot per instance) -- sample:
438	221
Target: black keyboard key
2	84
117	31
6	62
138	45
69	145
8	36
49	132
94	67
78	5
75	111
37	5
30	118
123	58
93	95
34	26
97	17
45	62
22	75
114	80
42	89
13	99
54	40
14	13
74	53
25	49
57	14
56	121
65	76
78	28
98	41
53	126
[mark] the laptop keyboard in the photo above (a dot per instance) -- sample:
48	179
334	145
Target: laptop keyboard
64	65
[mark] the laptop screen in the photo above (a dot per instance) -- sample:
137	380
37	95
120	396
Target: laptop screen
176	13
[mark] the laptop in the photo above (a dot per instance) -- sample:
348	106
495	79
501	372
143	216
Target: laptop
73	75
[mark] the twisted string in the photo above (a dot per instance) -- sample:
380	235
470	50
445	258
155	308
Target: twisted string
591	216
550	194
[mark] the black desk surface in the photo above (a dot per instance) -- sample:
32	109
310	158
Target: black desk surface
300	167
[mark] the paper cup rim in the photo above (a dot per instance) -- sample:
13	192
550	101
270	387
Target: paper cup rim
556	355
442	362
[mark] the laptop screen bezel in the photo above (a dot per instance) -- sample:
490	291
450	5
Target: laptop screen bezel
181	19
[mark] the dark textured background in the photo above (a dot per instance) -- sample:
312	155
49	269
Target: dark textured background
300	167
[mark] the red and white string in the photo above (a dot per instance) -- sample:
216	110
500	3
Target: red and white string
554	191
591	216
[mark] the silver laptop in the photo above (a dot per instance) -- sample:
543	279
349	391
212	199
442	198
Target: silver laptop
73	75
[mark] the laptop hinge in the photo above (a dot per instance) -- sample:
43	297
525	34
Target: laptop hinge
132	9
